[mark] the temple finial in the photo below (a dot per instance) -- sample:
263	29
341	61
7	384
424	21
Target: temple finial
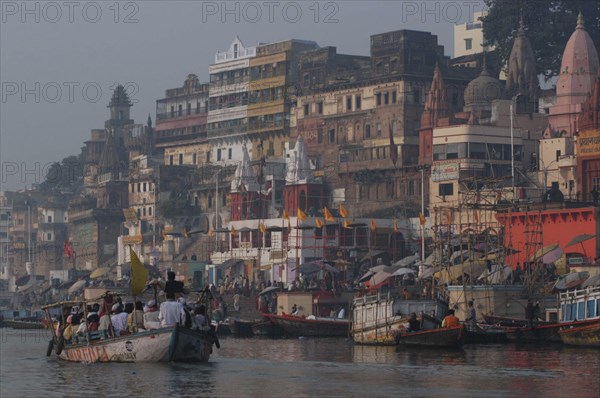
580	24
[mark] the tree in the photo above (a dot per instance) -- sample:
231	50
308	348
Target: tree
548	25
66	175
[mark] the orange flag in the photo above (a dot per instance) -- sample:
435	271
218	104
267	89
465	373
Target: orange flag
233	231
185	233
347	224
422	219
343	211
289	226
373	225
319	223
285	215
395	226
301	215
262	228
328	216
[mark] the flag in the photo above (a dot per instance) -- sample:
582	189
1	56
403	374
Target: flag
347	224
395	226
319	223
233	231
343	211
373	225
68	249
185	233
285	215
289	226
262	228
210	232
139	274
328	216
422	219
393	147
164	234
301	215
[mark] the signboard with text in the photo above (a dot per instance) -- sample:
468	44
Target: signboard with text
444	172
588	143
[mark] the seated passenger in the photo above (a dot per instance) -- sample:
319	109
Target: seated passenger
450	320
151	316
414	325
200	319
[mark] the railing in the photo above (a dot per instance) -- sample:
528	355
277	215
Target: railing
216	107
184	114
229	81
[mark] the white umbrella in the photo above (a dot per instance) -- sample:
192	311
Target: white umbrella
379	277
77	286
426	273
406	261
402	271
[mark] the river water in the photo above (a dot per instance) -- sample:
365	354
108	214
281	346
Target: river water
307	368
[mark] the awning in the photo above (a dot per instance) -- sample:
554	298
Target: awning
229	263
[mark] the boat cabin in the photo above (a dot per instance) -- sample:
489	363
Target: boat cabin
580	304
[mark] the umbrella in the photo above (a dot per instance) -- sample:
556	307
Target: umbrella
98	272
379	277
552	256
268	290
426	273
77	286
406	261
579	239
569	281
366	276
592	281
542	252
498	274
402	271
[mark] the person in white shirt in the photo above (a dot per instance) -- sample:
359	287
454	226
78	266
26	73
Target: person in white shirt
118	319
171	312
200	319
151	316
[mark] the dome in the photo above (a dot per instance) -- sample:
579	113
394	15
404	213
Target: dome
578	67
481	91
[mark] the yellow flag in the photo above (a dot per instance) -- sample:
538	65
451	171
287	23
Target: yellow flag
289	226
233	231
373	225
343	211
262	228
422	219
301	215
328	216
285	215
210	232
319	223
185	233
139	274
347	224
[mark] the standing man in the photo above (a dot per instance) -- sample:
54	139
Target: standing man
471	316
171	312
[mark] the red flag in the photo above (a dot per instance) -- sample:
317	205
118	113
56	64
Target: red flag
67	249
393	147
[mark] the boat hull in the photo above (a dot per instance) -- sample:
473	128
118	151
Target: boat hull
16	324
587	336
161	345
319	327
548	333
445	337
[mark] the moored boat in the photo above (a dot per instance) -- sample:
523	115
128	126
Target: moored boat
23	324
451	337
588	336
310	326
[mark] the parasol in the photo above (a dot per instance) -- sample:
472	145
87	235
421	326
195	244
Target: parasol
77	286
366	276
402	271
379	277
98	272
542	252
571	280
593	280
406	261
579	239
268	290
552	256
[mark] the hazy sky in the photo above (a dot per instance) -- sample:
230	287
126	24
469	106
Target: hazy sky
60	61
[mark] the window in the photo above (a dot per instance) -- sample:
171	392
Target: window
446	189
180	110
209	204
149	211
172	110
386	98
394	97
557	155
367	131
170	160
49	219
320	108
410	188
452	151
144	187
189	108
181	158
319	136
207	156
139	187
332	136
229	153
349	103
417	96
306	109
218	155
378	129
378	98
477	150
194	158
49	236
468	44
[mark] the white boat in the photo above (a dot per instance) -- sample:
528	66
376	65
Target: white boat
177	344
376	319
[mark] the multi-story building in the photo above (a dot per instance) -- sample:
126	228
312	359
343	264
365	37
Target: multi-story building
51	235
5	220
468	37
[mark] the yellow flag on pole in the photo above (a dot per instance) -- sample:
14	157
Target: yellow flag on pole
328	216
347	224
139	274
285	215
343	211
319	223
301	215
210	232
262	228
289	226
233	230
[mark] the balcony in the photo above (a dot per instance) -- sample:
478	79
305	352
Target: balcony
567	161
177	115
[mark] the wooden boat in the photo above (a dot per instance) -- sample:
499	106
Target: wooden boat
546	333
177	344
241	328
443	337
486	334
22	324
497	320
377	318
266	328
588	336
310	326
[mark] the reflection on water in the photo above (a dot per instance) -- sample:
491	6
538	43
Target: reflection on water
307	367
